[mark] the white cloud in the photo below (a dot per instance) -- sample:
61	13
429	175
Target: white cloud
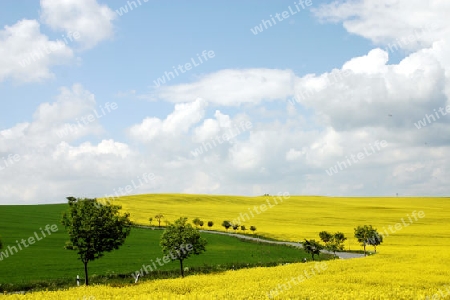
50	167
202	183
208	130
27	54
416	23
90	19
104	147
212	128
224	120
273	157
147	130
293	154
233	87
71	103
184	116
368	90
372	63
245	156
54	122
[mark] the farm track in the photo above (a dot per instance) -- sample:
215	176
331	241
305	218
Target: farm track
341	255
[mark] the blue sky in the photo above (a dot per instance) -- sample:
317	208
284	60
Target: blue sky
377	95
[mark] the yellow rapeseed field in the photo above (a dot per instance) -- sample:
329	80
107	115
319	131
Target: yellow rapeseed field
412	263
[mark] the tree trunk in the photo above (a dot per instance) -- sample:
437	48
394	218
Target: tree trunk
181	268
86	280
364	249
375	249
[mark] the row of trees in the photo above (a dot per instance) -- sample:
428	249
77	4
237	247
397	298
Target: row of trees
228	224
366	235
199	223
333	242
95	229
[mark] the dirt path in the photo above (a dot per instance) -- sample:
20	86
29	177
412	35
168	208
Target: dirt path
343	255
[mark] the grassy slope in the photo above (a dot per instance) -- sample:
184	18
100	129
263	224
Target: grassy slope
47	259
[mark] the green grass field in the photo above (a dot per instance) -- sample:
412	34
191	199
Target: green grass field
46	260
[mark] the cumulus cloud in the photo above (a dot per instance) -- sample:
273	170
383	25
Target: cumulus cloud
179	121
367	91
372	63
50	165
211	128
91	20
414	24
207	130
27	54
54	122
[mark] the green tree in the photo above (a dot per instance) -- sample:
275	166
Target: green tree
325	236
94	229
150	220
235	227
312	247
243	228
180	240
340	238
159	217
253	229
196	222
210	224
335	242
363	234
226	224
375	239
201	223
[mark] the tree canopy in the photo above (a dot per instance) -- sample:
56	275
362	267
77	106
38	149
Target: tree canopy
335	242
196	222
226	224
94	229
312	247
325	236
367	235
159	217
180	240
375	239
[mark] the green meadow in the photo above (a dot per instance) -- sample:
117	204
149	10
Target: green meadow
47	264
